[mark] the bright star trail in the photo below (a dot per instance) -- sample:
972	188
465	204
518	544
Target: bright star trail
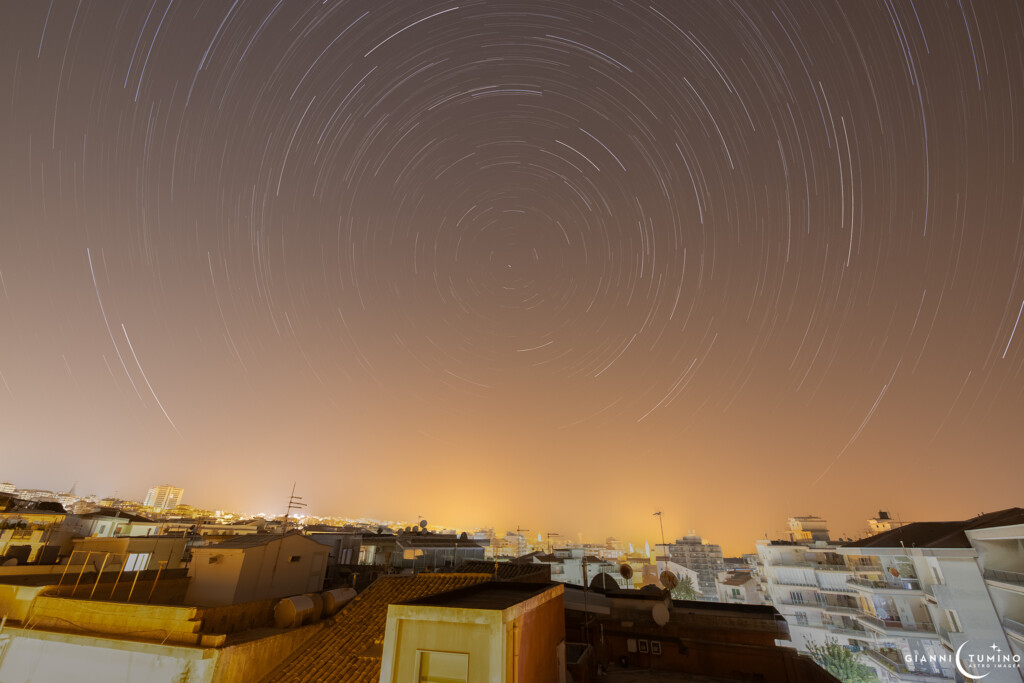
518	262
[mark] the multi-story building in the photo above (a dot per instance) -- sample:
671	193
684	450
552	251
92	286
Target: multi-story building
942	596
702	557
164	497
1001	559
806	580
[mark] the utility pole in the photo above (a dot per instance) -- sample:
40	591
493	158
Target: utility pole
664	549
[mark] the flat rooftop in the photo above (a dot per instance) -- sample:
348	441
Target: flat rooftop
491	595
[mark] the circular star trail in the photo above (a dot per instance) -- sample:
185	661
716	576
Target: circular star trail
496	259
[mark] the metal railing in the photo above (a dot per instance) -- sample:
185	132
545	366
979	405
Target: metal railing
1005	576
1013	626
895	624
899	585
845	630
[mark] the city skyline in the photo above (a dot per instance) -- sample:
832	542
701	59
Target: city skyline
531	264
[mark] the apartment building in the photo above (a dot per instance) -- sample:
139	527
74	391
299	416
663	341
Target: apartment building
692	552
807	581
943	598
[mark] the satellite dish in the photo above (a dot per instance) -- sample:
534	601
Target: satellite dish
660	614
423	524
669	580
625	571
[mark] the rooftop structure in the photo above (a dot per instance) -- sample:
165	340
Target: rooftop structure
350	647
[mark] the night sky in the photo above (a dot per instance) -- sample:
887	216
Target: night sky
554	264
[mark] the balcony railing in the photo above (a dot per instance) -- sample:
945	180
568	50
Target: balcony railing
1005	576
895	625
845	630
1014	627
901	585
840	609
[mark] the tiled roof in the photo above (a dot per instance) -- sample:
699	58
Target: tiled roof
117	514
348	649
506	571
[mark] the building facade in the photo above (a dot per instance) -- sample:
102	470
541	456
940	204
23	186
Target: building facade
164	497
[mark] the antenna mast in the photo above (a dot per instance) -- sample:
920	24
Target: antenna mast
294	503
661	524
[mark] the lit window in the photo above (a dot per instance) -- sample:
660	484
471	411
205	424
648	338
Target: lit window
443	667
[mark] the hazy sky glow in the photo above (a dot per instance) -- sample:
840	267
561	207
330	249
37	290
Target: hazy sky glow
541	263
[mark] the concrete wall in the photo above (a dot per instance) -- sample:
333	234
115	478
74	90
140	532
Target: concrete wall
33	656
541	629
157	622
214	583
256	573
254	659
275	575
16	601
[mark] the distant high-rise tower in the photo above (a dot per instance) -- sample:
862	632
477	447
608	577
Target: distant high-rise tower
164	497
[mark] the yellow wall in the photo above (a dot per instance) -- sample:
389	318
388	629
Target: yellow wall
478	633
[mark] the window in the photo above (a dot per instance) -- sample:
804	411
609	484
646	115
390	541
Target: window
295	558
644	649
443	667
735	592
136	562
656	647
801	618
796	597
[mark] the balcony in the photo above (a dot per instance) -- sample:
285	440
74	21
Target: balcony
901	670
902	587
845	631
949	638
836	609
896	628
1014	628
1009	580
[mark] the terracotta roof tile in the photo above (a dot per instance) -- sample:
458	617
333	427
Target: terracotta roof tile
338	653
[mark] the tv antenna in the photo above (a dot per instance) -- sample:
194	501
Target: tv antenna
294	503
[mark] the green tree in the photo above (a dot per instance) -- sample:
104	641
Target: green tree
685	590
841	662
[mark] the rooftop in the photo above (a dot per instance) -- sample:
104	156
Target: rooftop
348	649
939	534
116	513
504	571
252	540
492	595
